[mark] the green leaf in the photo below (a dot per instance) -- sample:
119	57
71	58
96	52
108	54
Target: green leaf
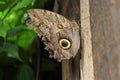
2	53
1	40
2	2
11	50
3	30
14	31
22	4
3	5
25	73
25	39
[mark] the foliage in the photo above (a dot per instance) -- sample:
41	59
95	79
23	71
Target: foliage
16	40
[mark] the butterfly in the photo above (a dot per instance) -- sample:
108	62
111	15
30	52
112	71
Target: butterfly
60	35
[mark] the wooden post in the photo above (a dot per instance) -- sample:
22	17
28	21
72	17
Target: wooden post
86	62
66	73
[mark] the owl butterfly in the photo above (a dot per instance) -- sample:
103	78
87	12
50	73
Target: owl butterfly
60	35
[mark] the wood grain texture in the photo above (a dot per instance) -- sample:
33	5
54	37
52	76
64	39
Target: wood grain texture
66	70
105	26
86	62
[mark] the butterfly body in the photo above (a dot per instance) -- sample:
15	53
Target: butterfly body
61	36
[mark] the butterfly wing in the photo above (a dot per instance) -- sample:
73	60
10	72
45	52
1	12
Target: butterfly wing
61	35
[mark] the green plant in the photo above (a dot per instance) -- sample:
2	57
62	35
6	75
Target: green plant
16	40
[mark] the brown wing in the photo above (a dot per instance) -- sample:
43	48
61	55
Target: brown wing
62	35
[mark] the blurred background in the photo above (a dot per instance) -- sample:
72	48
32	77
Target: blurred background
21	57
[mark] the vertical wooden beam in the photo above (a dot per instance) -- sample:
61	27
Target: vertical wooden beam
71	68
86	62
66	73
